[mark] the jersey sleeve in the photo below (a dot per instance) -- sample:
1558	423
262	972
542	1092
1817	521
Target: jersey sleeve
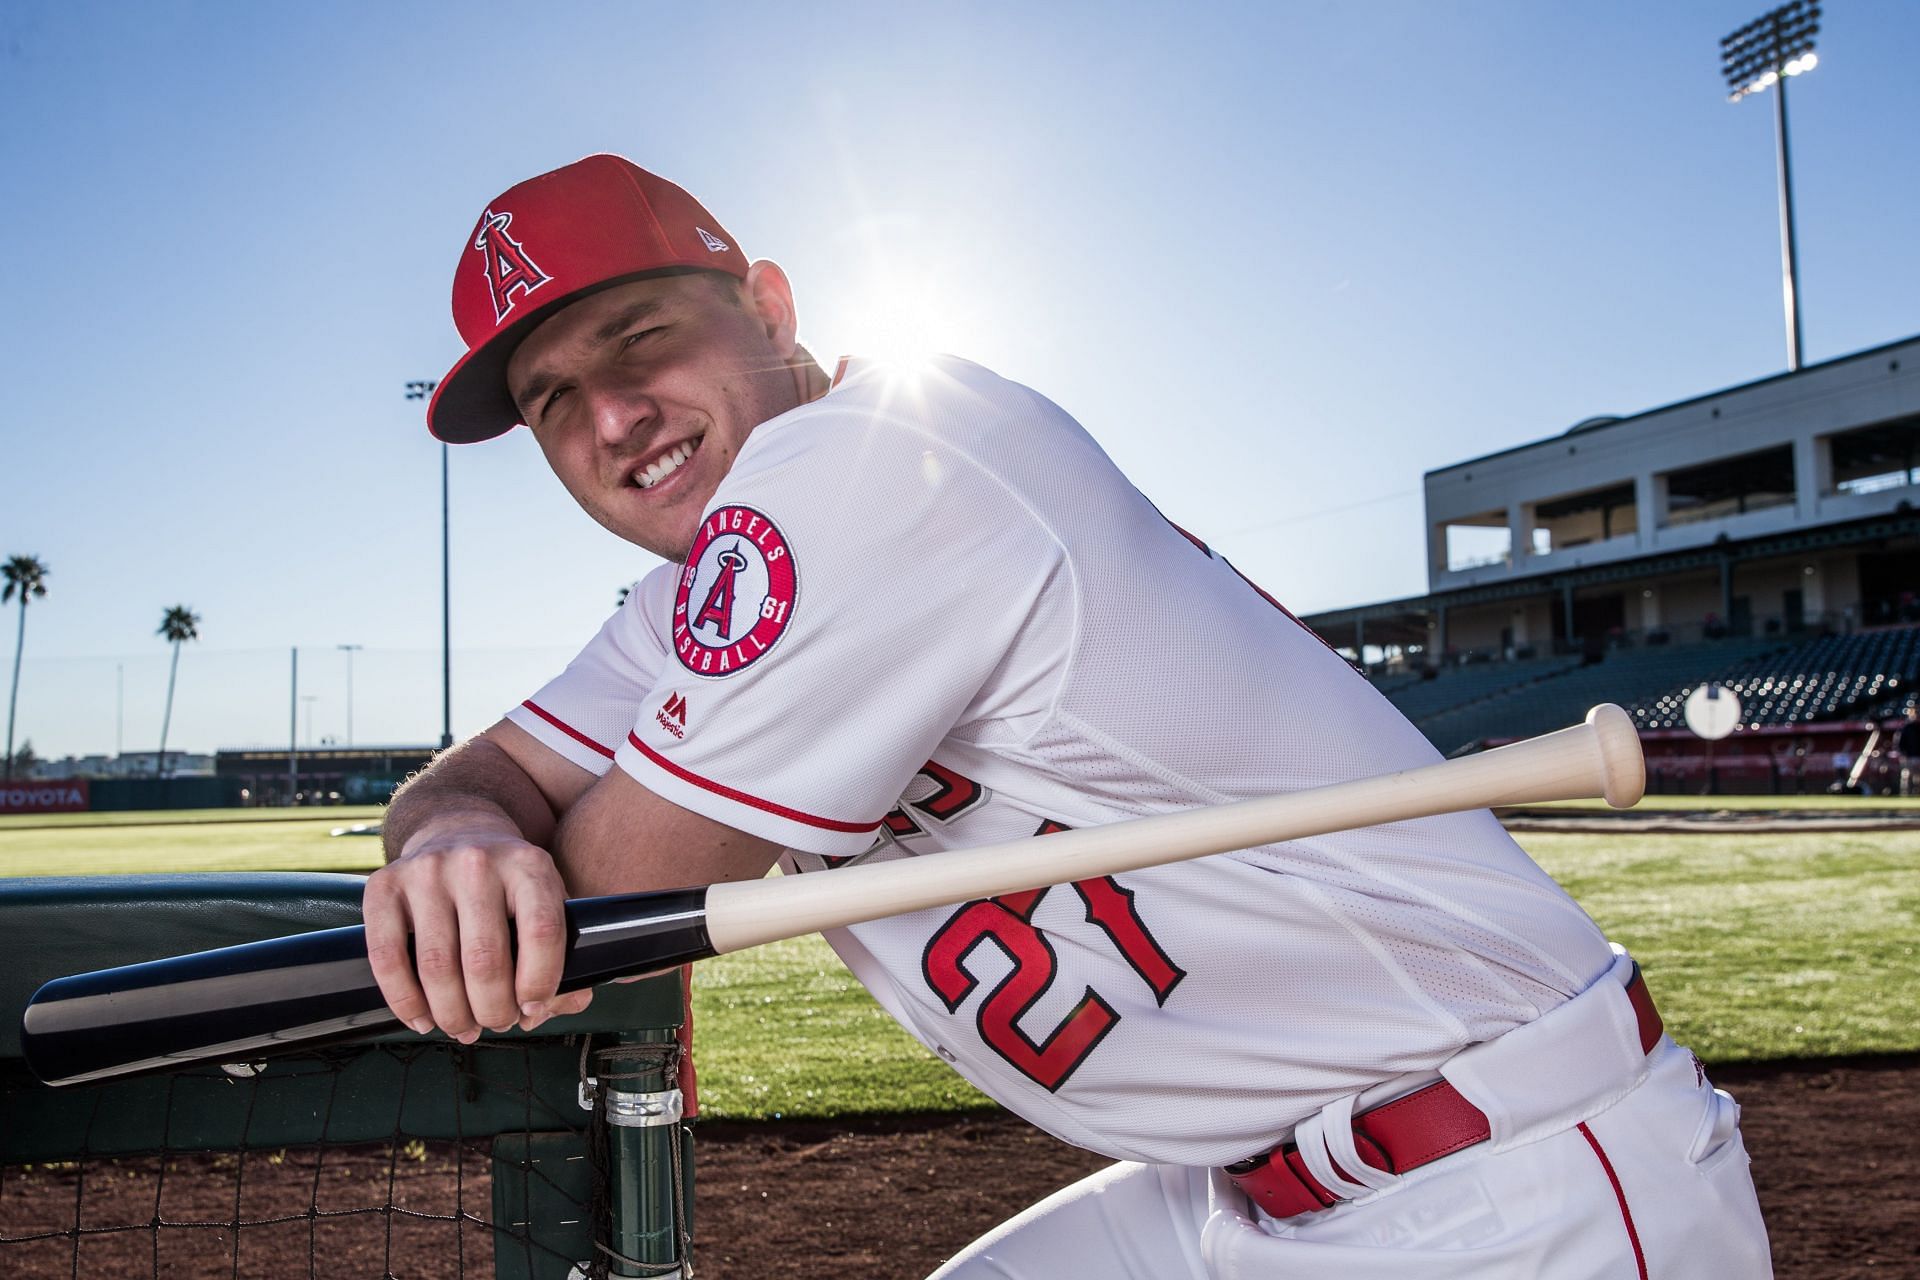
853	594
585	711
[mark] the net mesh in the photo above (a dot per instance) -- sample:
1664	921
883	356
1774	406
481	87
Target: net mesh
420	1159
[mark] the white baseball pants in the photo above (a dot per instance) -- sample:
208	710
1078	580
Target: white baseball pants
1653	1185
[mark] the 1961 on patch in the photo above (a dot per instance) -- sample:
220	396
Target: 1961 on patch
736	593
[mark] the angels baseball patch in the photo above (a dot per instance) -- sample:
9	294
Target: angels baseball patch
736	593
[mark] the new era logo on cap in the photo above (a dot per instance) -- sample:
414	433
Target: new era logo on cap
546	242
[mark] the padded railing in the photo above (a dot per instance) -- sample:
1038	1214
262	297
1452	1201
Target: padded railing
580	1158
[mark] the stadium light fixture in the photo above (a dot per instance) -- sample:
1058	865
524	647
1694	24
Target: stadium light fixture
1769	51
420	391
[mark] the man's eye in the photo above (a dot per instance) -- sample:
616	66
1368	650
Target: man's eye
552	400
635	337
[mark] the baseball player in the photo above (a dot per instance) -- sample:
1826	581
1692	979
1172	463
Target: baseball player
912	610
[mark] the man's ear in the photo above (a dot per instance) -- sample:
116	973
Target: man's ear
771	297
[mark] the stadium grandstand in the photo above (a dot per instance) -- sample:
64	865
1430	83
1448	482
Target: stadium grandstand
1764	538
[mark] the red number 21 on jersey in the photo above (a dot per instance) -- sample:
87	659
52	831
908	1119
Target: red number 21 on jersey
1007	922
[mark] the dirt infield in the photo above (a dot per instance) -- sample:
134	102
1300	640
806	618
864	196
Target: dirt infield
1832	1143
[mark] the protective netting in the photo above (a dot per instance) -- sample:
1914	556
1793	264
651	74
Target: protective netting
356	1211
403	1160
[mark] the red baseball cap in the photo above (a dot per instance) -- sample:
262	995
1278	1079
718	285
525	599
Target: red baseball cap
550	241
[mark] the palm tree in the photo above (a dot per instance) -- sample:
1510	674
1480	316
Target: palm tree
178	625
28	576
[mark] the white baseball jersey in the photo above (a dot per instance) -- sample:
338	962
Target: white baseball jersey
927	612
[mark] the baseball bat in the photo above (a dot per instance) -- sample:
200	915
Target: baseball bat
241	1003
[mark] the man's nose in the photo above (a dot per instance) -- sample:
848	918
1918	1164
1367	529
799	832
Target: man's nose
620	413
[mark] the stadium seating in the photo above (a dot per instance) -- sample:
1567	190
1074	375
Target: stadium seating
1867	675
1564	688
1462	686
1391	682
1905	704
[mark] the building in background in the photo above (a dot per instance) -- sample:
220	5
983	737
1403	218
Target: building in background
1778	507
128	764
1765	538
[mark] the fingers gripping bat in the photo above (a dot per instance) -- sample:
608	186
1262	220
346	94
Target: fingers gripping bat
242	1002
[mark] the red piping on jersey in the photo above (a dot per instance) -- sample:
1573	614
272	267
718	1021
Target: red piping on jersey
1626	1215
768	806
566	728
840	371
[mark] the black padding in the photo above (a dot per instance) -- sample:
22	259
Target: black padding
56	926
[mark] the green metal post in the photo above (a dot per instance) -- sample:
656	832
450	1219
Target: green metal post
648	1178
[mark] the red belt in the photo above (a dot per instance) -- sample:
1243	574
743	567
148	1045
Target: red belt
1398	1137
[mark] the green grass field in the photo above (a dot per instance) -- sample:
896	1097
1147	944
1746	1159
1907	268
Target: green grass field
105	844
1756	946
187	817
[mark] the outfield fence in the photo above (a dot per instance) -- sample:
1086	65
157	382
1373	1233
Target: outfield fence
554	1154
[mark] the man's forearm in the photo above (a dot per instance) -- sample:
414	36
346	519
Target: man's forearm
476	781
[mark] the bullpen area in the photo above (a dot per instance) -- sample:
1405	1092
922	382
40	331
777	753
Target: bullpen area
1776	933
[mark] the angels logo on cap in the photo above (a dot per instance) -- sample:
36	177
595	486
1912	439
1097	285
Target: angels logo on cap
736	594
509	269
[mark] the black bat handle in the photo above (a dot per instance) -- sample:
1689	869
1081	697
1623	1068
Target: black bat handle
238	1004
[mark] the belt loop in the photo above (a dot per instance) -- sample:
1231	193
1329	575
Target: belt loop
1335	1164
1337	1137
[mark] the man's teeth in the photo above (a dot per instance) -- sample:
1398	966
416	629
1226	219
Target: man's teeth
666	465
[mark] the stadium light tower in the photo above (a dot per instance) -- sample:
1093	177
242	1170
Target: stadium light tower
349	650
420	391
1770	50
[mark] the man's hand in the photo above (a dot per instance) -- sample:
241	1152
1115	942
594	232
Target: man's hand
468	845
460	880
464	847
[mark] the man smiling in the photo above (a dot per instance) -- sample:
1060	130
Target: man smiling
642	395
911	612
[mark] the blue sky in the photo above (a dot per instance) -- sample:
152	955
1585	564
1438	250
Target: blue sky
1280	259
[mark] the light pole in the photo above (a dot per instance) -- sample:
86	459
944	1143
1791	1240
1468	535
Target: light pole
349	650
420	391
1768	51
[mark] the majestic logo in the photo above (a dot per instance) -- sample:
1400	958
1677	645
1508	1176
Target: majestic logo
672	715
712	241
736	593
509	270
